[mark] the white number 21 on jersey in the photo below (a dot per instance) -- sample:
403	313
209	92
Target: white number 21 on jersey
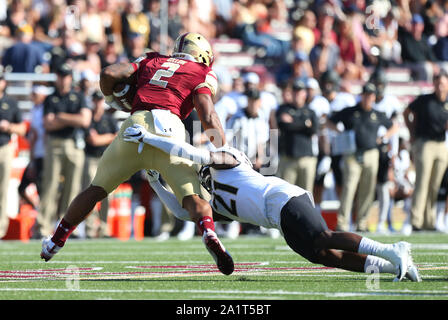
156	78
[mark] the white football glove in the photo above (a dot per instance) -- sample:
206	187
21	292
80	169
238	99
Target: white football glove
152	175
136	134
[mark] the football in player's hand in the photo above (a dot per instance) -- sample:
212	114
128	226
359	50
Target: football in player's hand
124	94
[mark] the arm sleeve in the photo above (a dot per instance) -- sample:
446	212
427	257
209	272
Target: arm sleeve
48	108
83	103
414	104
386	121
170	201
178	148
210	84
315	123
18	117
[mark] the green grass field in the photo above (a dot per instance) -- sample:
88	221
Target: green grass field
265	269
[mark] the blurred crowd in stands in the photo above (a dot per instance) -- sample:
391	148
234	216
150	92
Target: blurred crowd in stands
318	81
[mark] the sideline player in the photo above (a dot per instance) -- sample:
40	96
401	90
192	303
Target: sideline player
168	88
240	193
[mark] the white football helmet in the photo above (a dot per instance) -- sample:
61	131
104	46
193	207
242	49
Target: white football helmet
205	178
237	154
194	45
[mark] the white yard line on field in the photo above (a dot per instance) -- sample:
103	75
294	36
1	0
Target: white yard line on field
232	293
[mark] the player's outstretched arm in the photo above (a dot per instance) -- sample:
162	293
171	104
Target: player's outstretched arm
139	134
170	200
167	198
217	159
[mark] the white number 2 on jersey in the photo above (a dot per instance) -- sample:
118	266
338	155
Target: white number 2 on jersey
172	67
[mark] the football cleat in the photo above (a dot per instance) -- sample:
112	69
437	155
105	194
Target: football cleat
413	273
400	256
222	258
49	249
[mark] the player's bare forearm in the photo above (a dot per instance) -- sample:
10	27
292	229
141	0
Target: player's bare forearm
17	128
211	124
52	123
116	73
210	120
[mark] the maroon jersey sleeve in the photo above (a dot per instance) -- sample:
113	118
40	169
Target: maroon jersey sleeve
165	82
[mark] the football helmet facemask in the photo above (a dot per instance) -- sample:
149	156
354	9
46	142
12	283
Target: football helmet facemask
205	178
194	45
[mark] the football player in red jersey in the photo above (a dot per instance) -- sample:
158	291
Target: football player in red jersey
168	88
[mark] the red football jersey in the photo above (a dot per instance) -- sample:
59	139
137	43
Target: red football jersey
165	82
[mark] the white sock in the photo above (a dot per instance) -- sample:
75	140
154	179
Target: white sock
377	264
372	247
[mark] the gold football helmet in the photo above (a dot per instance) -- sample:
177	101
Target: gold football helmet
194	45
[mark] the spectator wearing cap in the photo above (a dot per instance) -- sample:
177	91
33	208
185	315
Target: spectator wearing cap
86	85
66	115
101	132
296	67
248	129
36	138
10	123
316	102
297	124
416	52
427	129
301	67
269	104
90	60
23	56
361	166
